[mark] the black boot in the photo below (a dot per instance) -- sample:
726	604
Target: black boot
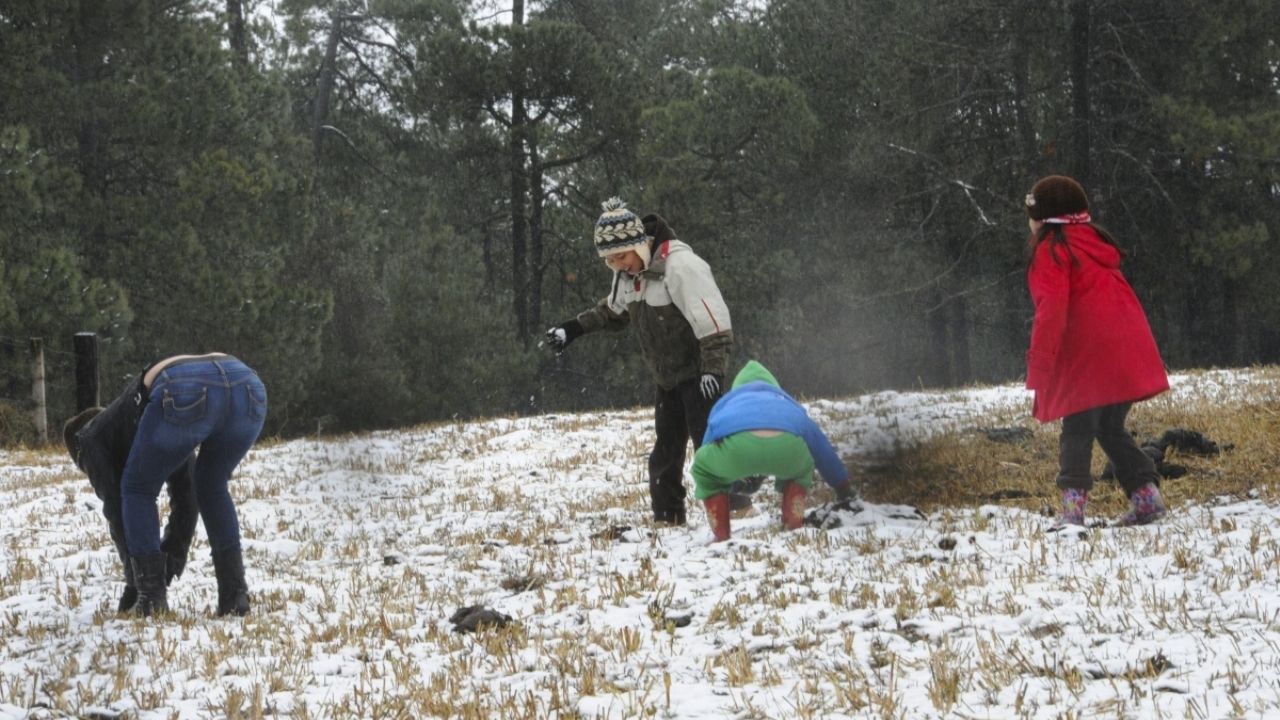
148	575
233	593
128	599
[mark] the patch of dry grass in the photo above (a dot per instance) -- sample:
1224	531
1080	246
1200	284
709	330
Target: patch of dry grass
965	468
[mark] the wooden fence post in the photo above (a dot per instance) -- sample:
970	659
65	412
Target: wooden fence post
40	415
86	347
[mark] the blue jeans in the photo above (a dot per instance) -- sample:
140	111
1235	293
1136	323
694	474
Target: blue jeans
217	405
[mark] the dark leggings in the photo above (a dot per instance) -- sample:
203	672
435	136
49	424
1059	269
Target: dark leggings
1106	425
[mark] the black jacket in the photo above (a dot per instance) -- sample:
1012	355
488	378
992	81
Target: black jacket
104	447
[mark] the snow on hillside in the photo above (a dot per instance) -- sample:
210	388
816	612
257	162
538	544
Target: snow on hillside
360	549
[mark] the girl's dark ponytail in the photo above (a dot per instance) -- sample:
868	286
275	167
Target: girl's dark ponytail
1054	234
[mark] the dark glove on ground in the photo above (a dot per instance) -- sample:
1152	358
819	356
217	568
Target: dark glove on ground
476	617
561	335
844	491
128	599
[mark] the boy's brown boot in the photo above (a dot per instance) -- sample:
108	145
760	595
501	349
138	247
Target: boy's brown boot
793	494
718	515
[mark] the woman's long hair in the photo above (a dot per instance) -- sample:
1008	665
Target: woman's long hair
1057	237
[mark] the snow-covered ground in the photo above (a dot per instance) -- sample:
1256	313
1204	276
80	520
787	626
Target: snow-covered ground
359	550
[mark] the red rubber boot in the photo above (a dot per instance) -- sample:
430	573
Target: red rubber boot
718	515
793	494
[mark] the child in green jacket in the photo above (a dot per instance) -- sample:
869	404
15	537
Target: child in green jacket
758	429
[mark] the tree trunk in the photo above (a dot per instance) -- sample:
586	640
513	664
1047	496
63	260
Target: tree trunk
535	237
938	362
1021	72
324	85
1268	346
235	32
89	43
486	253
1078	162
519	183
1230	345
961	363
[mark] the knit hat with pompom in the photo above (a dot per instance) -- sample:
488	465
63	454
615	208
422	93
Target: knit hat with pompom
619	230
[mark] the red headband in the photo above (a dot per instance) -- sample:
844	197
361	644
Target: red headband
1070	219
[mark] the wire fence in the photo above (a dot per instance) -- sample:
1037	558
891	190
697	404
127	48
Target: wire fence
18	404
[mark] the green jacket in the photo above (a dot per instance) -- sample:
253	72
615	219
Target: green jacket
676	311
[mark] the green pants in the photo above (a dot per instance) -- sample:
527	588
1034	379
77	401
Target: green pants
718	464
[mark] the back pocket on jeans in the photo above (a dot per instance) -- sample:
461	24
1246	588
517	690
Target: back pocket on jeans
257	400
184	407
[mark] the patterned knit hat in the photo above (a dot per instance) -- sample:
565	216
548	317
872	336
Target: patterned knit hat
1058	199
619	230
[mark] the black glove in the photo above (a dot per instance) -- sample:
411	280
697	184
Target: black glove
710	385
173	567
844	491
128	599
175	559
561	335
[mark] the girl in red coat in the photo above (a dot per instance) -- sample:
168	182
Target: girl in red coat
1092	353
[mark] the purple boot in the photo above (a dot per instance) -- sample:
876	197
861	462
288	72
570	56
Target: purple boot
1148	506
1073	502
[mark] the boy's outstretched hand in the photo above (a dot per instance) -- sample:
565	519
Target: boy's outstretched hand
561	335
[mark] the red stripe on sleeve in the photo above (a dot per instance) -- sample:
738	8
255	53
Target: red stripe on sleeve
711	315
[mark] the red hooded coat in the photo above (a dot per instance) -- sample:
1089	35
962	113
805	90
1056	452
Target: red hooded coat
1091	344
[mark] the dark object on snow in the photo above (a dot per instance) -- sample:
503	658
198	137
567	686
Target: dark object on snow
947	543
1159	663
613	532
1011	435
477	617
682	620
1180	439
827	515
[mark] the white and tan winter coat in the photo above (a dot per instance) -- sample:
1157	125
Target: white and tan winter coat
676	311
